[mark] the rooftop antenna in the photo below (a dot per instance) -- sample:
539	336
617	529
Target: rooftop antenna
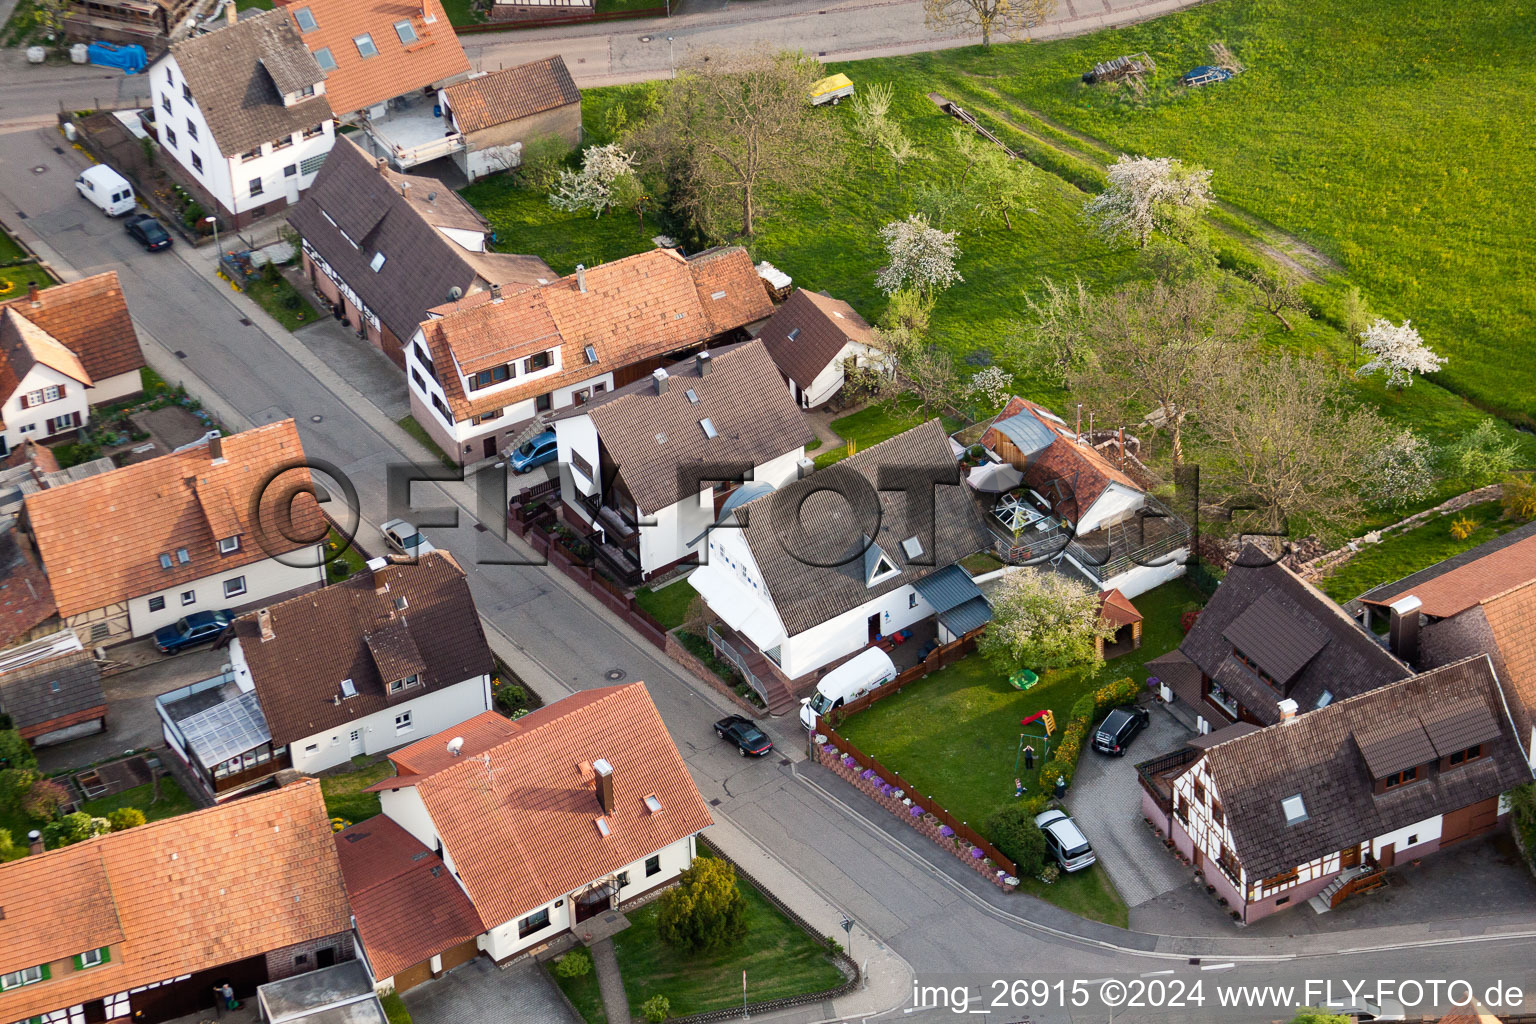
455	746
1079	430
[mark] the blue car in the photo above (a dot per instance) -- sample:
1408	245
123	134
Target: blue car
194	629
535	453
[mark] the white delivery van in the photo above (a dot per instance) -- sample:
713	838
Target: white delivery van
853	678
106	189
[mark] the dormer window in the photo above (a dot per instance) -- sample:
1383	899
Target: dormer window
1295	809
229	545
406	33
1401	778
306	19
487	378
1472	753
306	92
324	58
396	685
365	47
539	361
251	154
878	566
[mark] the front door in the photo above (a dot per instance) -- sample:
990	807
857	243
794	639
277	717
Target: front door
490	447
874	627
1349	858
1388	855
593	902
355	742
325	957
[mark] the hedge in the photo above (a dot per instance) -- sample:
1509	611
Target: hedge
1069	742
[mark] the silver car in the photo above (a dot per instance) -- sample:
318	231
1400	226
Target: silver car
405	538
1065	841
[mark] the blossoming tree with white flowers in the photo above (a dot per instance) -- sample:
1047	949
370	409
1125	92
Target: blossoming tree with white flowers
921	256
1398	351
1147	194
991	385
593	187
1043	619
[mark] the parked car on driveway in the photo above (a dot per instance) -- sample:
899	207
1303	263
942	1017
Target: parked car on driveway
405	538
743	732
148	232
1119	727
1065	841
191	630
535	453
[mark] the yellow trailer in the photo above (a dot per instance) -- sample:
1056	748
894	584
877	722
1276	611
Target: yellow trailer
831	90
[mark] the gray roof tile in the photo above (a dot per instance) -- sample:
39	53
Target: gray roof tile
52	690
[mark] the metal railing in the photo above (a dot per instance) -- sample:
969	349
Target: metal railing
723	648
1150	774
1125	549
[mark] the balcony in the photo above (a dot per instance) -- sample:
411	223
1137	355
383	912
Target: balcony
1149	537
1157	775
410	133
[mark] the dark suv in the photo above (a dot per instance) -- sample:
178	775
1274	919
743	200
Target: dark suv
1119	727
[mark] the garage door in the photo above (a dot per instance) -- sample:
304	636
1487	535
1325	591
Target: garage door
413	976
1469	821
1484	816
462	953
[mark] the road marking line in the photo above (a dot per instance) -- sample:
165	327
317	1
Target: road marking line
1217	967
1153	974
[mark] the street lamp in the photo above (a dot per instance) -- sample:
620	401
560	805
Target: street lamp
214	222
670	59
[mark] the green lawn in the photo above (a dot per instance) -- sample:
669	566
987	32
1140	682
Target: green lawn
954	736
10	249
14	280
1402	553
282	302
344	796
350	558
172	800
669	605
584	994
779	957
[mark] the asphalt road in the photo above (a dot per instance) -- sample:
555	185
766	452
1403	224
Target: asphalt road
940	926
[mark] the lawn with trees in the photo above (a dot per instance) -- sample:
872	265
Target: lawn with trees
1042	290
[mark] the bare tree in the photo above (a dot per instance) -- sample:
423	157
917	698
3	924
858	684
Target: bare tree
1277	292
1001	185
1056	339
1157	350
731	127
1286	437
928	376
1008	17
871	107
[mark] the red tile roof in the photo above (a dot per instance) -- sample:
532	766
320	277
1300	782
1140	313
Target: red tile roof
26	598
407	905
1117	608
101	538
513	93
1512	619
398	68
90	317
173	897
1466	585
520	822
1083	473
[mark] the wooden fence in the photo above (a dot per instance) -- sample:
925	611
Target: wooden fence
927	803
939	657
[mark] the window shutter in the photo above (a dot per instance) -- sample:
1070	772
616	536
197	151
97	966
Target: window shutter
106	954
79	962
61	390
46	973
25	403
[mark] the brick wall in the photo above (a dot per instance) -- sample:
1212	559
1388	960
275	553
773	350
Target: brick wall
280	962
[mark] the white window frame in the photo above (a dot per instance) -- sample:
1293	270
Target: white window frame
188	597
228	545
16	979
403	723
86	961
232	583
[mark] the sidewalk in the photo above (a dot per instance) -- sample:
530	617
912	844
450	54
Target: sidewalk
887	977
615	1003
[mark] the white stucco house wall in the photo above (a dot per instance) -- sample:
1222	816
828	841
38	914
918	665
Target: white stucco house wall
815	340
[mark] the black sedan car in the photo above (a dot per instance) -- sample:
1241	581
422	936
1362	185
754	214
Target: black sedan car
1119	727
749	739
194	629
148	232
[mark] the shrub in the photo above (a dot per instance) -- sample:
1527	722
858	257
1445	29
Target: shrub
542	160
511	698
1463	528
574	964
1519	499
14	784
706	911
74	828
7	844
125	818
14	751
394	1008
656	1009
1014	832
193	216
1188	619
43	800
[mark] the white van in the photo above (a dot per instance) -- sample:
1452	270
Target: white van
106	189
853	678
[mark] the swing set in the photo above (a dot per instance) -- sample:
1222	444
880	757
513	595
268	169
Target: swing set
1047	722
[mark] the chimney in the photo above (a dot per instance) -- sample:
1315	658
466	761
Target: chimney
495	293
805	467
264	623
381	163
1078	432
581	278
404	187
603	772
704	361
1090	427
216	451
32	293
231	14
34	841
660	377
1288	708
1404	629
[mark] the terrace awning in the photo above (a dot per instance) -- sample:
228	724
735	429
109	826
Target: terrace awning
741	608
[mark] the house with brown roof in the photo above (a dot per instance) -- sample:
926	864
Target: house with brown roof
384	247
356	668
815	340
385	62
483	367
62	350
651	467
1482	601
805	576
206	527
244	112
1268	644
50	688
1075	505
499	113
544	822
1320	803
142	924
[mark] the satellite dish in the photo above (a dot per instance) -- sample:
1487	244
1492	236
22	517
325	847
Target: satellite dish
431	196
455	745
455	293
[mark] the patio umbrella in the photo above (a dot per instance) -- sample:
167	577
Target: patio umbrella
994	478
